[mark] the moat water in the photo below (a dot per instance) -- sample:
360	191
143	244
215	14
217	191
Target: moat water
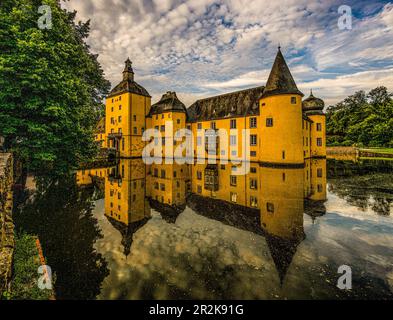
199	245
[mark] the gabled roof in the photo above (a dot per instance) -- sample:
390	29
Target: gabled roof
239	103
280	80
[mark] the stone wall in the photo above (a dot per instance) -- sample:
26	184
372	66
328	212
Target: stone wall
7	242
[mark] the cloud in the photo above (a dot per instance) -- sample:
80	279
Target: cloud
201	48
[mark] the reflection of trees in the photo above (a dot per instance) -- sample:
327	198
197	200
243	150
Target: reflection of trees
368	184
61	215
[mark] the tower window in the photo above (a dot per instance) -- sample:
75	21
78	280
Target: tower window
253	140
319	127
232	140
270	207
269	122
233	124
293	100
319	142
253	122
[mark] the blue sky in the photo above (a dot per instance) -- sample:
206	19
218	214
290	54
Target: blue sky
201	48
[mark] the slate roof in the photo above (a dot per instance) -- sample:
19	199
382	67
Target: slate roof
234	104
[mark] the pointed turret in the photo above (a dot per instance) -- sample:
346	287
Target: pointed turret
128	73
280	79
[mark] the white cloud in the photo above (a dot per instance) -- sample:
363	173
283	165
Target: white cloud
200	47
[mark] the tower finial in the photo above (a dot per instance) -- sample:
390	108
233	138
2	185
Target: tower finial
311	92
128	73
279	46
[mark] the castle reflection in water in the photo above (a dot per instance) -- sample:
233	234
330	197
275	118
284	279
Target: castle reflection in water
267	201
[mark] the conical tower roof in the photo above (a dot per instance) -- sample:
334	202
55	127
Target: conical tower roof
280	79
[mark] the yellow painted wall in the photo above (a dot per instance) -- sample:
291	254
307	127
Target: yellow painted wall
318	151
286	133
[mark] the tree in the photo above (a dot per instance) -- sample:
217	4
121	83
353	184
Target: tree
51	86
362	119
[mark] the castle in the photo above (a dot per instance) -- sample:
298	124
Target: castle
284	129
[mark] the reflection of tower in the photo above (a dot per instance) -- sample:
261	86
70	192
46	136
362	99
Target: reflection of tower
281	203
126	206
167	189
125	198
315	187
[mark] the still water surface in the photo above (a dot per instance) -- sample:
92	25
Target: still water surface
179	232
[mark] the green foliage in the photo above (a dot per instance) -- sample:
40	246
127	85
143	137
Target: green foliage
26	262
51	86
362	120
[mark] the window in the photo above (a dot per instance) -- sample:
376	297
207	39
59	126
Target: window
253	184
319	142
283	176
253	201
155	172
223	167
253	170
232	140
178	121
135	130
253	140
163	141
253	122
233	180
119	130
156	116
162	116
233	197
253	153
199	175
233	153
199	189
112	120
162	187
213	125
293	100
134	117
120	98
112	100
233	124
320	188
319	173
269	122
122	144
162	173
174	174
135	184
199	126
270	207
319	127
162	129
283	155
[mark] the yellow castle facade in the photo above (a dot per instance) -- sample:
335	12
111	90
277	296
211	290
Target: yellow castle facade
283	128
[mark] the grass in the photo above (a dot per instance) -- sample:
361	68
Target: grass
378	150
26	262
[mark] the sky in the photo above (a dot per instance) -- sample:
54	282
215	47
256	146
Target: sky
202	48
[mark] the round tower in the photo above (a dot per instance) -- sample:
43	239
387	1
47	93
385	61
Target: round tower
313	109
281	118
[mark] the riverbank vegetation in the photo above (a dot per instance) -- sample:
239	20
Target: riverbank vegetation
51	86
24	284
362	120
